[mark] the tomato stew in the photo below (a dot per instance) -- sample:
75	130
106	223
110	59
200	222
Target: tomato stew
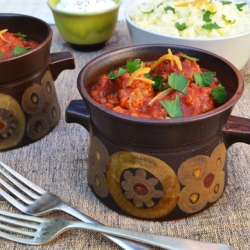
14	44
171	87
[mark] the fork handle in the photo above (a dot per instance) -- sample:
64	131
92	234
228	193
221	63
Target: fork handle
165	242
123	243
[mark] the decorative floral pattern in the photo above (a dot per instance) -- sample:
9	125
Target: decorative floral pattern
12	122
203	178
7	123
140	189
98	159
142	185
39	100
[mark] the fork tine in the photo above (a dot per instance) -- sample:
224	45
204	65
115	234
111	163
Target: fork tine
22	216
17	193
12	200
23	179
17	239
15	230
21	223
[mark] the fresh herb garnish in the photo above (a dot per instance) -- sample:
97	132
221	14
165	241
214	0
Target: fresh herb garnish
158	82
159	5
131	66
226	20
240	6
178	82
173	107
1	54
219	94
189	57
169	8
19	34
204	79
210	26
226	2
181	26
206	16
20	50
120	72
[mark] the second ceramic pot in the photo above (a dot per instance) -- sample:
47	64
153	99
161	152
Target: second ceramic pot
29	107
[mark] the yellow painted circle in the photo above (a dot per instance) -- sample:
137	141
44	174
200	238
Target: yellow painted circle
129	170
32	100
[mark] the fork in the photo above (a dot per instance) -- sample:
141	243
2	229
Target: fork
37	231
39	202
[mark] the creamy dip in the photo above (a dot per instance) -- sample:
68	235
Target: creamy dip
85	5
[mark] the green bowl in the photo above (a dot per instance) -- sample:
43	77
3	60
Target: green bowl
85	31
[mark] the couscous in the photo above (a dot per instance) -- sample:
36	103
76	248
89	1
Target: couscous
193	19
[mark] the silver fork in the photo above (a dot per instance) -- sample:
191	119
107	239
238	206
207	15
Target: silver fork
39	202
37	231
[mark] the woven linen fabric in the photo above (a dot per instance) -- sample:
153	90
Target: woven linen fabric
58	163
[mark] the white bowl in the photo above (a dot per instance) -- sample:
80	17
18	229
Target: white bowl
235	49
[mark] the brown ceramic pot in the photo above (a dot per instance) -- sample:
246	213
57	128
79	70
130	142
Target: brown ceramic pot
29	108
158	169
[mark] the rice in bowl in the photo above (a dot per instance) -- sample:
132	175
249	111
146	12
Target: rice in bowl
193	19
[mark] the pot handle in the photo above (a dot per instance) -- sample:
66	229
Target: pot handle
236	130
77	112
60	61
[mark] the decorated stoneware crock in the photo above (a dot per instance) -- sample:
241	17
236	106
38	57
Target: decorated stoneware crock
29	108
158	169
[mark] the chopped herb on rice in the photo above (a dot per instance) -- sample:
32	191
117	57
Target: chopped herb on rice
192	19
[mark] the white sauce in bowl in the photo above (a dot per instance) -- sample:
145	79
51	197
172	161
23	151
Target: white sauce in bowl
80	6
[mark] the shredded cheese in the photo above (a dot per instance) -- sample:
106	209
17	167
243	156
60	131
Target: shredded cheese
160	96
197	3
170	57
136	75
1	35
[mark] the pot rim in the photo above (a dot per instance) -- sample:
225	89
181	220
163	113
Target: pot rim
38	47
230	103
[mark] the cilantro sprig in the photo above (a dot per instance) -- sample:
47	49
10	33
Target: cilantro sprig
224	18
180	26
211	26
219	94
206	16
131	66
19	34
204	79
1	54
173	107
158	81
189	57
226	2
169	8
178	82
239	6
20	50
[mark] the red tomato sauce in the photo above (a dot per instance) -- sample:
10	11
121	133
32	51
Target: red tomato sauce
134	100
10	41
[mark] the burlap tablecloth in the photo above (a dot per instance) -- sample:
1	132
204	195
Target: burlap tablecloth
58	163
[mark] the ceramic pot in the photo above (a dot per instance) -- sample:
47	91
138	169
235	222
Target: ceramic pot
29	108
158	169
